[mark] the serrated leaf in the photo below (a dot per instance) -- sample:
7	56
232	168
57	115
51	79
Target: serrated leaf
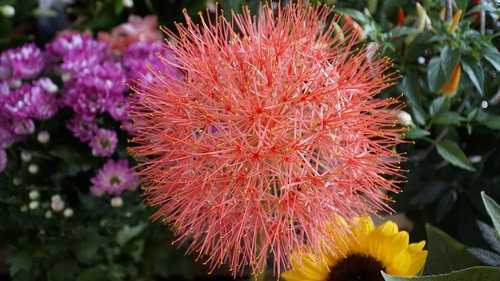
448	118
451	152
435	74
477	273
487	257
19	261
439	105
449	58
489	235
493	210
445	253
474	71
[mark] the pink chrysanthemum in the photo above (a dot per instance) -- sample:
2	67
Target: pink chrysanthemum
273	130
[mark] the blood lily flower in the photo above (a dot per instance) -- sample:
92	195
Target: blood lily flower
272	130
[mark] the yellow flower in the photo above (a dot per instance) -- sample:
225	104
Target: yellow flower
361	256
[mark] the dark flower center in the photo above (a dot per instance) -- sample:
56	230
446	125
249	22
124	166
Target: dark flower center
104	143
114	180
357	267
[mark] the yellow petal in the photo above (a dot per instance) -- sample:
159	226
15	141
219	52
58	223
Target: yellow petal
400	264
417	262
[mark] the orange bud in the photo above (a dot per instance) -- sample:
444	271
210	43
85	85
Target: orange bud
401	17
450	88
455	20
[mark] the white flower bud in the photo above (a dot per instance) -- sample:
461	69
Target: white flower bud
16	181
8	11
26	156
68	213
404	119
55	197
128	3
116	202
34	205
48	214
33	169
43	137
57	205
33	195
24	208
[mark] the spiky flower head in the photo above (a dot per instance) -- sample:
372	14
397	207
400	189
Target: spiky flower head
273	130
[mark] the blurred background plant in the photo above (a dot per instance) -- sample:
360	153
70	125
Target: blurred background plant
446	52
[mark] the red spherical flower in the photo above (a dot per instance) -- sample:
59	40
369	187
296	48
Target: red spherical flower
274	129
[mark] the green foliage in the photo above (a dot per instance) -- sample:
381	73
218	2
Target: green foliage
478	273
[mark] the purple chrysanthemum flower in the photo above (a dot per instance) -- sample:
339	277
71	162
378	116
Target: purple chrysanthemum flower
82	126
3	160
113	178
30	101
72	43
155	55
104	142
94	91
25	62
118	108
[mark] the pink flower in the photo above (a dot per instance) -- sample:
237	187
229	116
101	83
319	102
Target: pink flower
113	178
274	130
136	29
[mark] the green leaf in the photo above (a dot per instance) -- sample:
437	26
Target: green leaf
449	59
448	118
127	233
20	261
474	71
435	75
416	133
92	274
419	114
445	204
355	14
451	152
86	250
461	4
492	122
445	253
66	269
491	54
439	105
478	273
119	6
493	210
401	30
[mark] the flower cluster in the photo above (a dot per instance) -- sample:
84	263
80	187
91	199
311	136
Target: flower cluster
91	80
